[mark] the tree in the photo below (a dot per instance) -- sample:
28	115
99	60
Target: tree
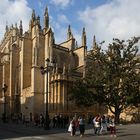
81	95
113	75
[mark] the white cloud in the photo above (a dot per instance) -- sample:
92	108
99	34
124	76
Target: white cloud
63	19
116	19
12	12
61	3
42	6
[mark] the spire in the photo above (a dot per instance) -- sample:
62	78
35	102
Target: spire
46	18
33	15
76	44
69	34
6	28
46	11
38	21
96	48
83	37
16	25
12	26
94	41
20	28
51	37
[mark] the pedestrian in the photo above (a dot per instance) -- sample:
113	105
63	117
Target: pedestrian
72	127
97	124
112	126
103	129
42	119
36	119
107	120
81	126
54	120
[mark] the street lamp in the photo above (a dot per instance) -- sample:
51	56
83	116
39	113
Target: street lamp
4	91
47	69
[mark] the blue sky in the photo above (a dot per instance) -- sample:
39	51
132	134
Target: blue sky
65	12
107	19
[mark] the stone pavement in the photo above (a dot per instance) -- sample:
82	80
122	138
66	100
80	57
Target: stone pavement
22	132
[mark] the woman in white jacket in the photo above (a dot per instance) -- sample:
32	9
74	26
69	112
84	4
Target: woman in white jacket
97	124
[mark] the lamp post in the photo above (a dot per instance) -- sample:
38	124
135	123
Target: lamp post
46	70
4	91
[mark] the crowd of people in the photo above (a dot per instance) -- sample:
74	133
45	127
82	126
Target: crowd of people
56	121
102	124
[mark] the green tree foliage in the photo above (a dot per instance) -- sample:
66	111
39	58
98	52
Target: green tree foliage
113	76
81	95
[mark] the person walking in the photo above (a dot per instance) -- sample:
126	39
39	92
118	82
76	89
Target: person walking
81	126
103	129
97	124
112	126
72	127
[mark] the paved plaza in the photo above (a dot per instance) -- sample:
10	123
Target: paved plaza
22	132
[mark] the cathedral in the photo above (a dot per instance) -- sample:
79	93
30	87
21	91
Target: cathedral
24	56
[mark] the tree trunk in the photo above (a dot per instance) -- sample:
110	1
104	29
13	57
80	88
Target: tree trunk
117	115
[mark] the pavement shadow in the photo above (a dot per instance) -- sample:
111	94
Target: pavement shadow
8	131
122	132
124	135
18	130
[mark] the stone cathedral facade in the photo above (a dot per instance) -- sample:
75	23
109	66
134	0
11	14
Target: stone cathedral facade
22	54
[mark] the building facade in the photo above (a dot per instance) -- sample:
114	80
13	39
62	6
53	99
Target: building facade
22	55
